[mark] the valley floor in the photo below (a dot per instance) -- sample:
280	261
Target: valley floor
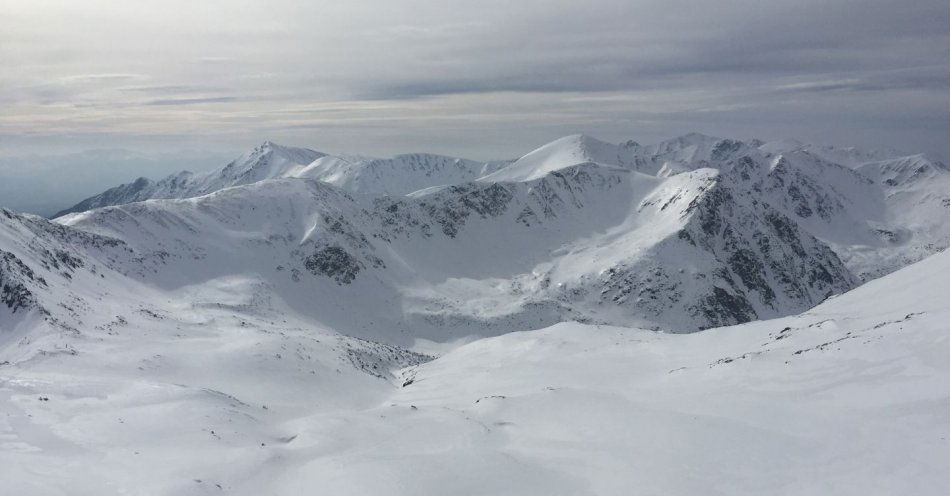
852	397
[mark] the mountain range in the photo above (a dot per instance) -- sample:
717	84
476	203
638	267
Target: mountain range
312	316
690	233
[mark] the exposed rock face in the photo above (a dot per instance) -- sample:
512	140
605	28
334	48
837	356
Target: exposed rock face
767	262
334	262
745	261
14	293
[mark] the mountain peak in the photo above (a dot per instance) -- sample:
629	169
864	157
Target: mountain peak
561	153
270	146
685	141
580	139
265	147
697	137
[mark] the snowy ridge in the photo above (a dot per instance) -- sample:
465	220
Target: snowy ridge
399	175
267	161
561	153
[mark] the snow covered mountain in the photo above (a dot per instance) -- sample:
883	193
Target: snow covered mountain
685	153
338	322
878	226
690	233
398	175
588	242
878	216
877	210
267	161
46	268
161	389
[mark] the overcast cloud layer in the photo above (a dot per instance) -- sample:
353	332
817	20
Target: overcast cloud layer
485	79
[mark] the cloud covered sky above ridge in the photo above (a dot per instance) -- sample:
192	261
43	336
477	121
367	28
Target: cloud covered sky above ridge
485	79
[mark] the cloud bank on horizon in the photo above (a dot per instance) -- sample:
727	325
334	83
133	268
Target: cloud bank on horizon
481	79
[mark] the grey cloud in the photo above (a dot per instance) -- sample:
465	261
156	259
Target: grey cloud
479	78
216	60
174	89
930	78
192	101
96	78
739	40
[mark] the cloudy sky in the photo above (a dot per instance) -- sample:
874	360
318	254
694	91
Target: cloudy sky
483	79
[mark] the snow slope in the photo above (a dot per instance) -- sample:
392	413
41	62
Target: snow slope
204	392
848	398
